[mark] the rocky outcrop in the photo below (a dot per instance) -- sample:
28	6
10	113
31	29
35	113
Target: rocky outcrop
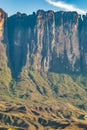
3	17
43	117
5	74
47	41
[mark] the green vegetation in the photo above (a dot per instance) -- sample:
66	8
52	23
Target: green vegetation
44	93
40	87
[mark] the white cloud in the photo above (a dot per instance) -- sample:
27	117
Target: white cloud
66	7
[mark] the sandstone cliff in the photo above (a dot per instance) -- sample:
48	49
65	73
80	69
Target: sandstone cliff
47	41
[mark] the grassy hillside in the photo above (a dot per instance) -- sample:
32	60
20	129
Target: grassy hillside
43	101
5	74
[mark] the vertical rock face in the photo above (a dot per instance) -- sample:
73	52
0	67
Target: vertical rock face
46	41
66	42
3	17
17	39
41	42
83	43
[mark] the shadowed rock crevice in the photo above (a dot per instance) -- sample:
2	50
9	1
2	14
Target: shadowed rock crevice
17	43
52	124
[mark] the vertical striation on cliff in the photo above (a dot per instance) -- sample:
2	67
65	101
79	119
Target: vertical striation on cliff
3	17
46	41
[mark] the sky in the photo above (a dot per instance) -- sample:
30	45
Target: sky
29	6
